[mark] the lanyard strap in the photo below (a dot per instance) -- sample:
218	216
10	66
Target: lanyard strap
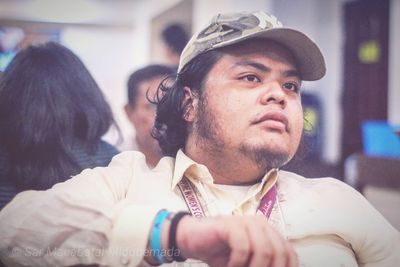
190	197
195	208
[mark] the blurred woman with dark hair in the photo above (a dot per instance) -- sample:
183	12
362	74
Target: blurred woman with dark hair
52	118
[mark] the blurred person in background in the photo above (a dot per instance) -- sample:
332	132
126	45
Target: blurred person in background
142	86
52	118
174	38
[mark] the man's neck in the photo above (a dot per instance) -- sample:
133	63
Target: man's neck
227	168
150	151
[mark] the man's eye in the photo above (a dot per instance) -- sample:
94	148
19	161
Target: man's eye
291	86
250	78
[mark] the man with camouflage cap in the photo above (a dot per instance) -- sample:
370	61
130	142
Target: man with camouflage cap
226	124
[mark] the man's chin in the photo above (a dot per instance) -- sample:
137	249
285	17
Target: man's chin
266	158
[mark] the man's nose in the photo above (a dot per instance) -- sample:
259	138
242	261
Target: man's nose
273	93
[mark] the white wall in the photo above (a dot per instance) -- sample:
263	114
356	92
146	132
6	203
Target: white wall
109	55
68	11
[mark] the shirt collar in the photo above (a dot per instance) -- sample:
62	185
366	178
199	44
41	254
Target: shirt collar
269	180
186	166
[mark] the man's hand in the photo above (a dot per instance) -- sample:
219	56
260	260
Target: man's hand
234	241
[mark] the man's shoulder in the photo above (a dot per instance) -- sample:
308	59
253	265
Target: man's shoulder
128	157
136	159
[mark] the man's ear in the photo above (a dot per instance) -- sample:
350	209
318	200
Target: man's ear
190	103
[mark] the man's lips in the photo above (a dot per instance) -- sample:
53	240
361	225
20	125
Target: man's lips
273	120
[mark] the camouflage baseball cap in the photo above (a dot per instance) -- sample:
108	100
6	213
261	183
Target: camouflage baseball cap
228	29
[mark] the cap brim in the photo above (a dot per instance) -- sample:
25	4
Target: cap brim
308	57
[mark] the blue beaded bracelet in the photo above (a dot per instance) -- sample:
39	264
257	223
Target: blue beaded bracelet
155	239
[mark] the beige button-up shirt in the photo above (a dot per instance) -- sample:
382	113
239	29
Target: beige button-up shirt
104	216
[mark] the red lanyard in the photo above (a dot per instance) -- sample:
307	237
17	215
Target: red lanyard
195	208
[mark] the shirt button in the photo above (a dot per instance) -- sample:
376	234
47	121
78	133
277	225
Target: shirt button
124	260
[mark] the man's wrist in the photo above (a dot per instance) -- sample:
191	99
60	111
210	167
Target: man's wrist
181	238
173	247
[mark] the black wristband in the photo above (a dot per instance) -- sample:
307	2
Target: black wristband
172	236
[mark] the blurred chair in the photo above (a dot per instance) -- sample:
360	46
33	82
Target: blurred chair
378	179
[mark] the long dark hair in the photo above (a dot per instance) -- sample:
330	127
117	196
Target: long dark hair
48	102
170	128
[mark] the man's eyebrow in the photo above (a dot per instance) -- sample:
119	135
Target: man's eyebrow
262	67
253	64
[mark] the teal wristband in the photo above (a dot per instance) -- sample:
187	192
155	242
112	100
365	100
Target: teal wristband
155	240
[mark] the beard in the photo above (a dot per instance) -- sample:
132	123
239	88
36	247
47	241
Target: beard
265	158
209	133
